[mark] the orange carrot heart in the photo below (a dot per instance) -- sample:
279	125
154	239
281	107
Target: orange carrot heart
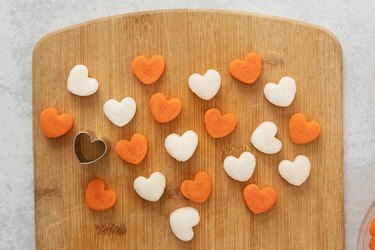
301	131
97	197
199	189
372	233
218	125
257	200
164	110
372	243
247	70
133	151
372	227
148	70
53	124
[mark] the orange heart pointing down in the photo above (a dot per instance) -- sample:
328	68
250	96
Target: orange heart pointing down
218	125
199	189
53	124
301	131
147	70
247	70
164	110
97	197
133	151
259	200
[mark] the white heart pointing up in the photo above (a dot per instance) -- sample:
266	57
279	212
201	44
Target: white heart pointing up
182	221
241	168
150	189
120	113
206	86
295	172
263	138
79	83
181	147
281	94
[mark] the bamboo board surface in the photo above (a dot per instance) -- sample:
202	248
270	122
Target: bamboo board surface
306	217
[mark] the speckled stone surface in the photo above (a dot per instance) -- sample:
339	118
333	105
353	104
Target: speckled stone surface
24	22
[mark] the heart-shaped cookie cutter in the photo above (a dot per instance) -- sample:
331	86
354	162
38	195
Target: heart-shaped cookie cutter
78	150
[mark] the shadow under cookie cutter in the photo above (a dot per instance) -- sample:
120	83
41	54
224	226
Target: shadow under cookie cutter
104	143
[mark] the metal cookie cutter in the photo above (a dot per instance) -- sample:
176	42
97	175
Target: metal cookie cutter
104	146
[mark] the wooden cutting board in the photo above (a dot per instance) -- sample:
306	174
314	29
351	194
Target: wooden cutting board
306	217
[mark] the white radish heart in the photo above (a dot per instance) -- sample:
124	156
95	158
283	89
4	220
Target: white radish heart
120	113
181	147
242	168
206	86
295	172
263	138
79	83
281	94
150	189
182	221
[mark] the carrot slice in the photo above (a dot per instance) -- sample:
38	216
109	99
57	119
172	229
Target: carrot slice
164	110
53	124
218	125
372	233
199	189
97	197
372	243
133	151
301	131
372	227
259	200
247	70
147	70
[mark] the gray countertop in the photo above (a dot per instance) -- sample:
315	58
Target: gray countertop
24	22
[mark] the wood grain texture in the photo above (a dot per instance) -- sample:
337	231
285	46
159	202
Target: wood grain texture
306	217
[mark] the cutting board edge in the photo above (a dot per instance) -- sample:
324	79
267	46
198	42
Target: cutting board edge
242	13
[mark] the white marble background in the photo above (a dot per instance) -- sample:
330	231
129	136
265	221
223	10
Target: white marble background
22	23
